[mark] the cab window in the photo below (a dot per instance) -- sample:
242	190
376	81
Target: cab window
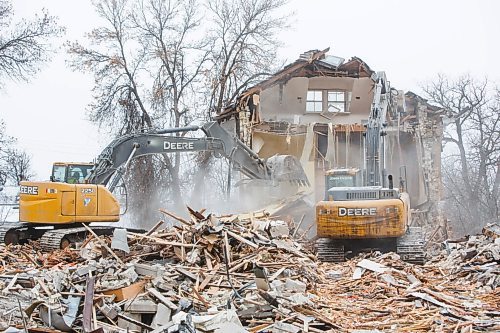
340	181
59	173
86	170
75	175
78	173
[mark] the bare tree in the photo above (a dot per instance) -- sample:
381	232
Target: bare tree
471	167
17	165
176	58
243	50
245	43
145	62
115	59
152	61
5	143
25	46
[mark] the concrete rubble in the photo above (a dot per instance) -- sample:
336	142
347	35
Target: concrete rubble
244	273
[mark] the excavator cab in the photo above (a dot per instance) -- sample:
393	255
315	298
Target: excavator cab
347	177
71	173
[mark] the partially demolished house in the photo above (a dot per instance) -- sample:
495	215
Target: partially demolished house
316	109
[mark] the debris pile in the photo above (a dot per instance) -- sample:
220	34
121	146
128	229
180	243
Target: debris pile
243	273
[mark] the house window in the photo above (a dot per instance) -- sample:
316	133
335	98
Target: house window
336	101
333	101
314	101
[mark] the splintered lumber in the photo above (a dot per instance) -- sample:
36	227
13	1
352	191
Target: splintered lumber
242	239
136	322
209	277
88	304
217	282
11	284
163	242
103	244
154	228
180	219
162	298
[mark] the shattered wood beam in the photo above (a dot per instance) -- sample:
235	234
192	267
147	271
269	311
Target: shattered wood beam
200	298
154	228
25	323
105	314
242	239
207	258
228	249
11	284
136	322
196	214
155	293
309	312
209	277
186	273
298	225
43	286
178	218
88	304
103	243
162	241
27	256
276	274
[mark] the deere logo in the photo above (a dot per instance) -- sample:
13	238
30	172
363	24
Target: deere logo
178	145
357	211
31	190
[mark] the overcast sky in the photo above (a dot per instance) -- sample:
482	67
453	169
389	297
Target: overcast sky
412	41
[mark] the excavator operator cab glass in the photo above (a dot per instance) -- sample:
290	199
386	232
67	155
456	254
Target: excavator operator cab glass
58	173
341	178
341	181
70	173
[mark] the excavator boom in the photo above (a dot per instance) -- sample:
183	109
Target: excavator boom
218	140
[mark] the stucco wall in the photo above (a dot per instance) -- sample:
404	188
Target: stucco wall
287	101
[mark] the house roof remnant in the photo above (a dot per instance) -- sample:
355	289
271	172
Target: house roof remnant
311	63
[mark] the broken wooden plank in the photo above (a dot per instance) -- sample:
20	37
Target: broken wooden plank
161	298
178	218
136	322
103	244
88	304
164	242
242	239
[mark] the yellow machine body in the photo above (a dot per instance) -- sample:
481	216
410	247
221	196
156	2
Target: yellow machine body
362	219
63	203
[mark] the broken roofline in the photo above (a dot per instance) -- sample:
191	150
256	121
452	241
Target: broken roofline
355	67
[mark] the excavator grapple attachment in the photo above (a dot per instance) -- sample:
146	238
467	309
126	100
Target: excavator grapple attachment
287	168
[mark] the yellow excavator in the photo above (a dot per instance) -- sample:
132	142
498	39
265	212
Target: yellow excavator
83	192
361	209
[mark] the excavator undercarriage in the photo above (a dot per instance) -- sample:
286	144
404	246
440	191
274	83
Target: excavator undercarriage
51	238
410	247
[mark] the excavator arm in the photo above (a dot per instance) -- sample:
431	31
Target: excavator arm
117	154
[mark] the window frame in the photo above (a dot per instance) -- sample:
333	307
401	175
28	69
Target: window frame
314	100
325	101
342	103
